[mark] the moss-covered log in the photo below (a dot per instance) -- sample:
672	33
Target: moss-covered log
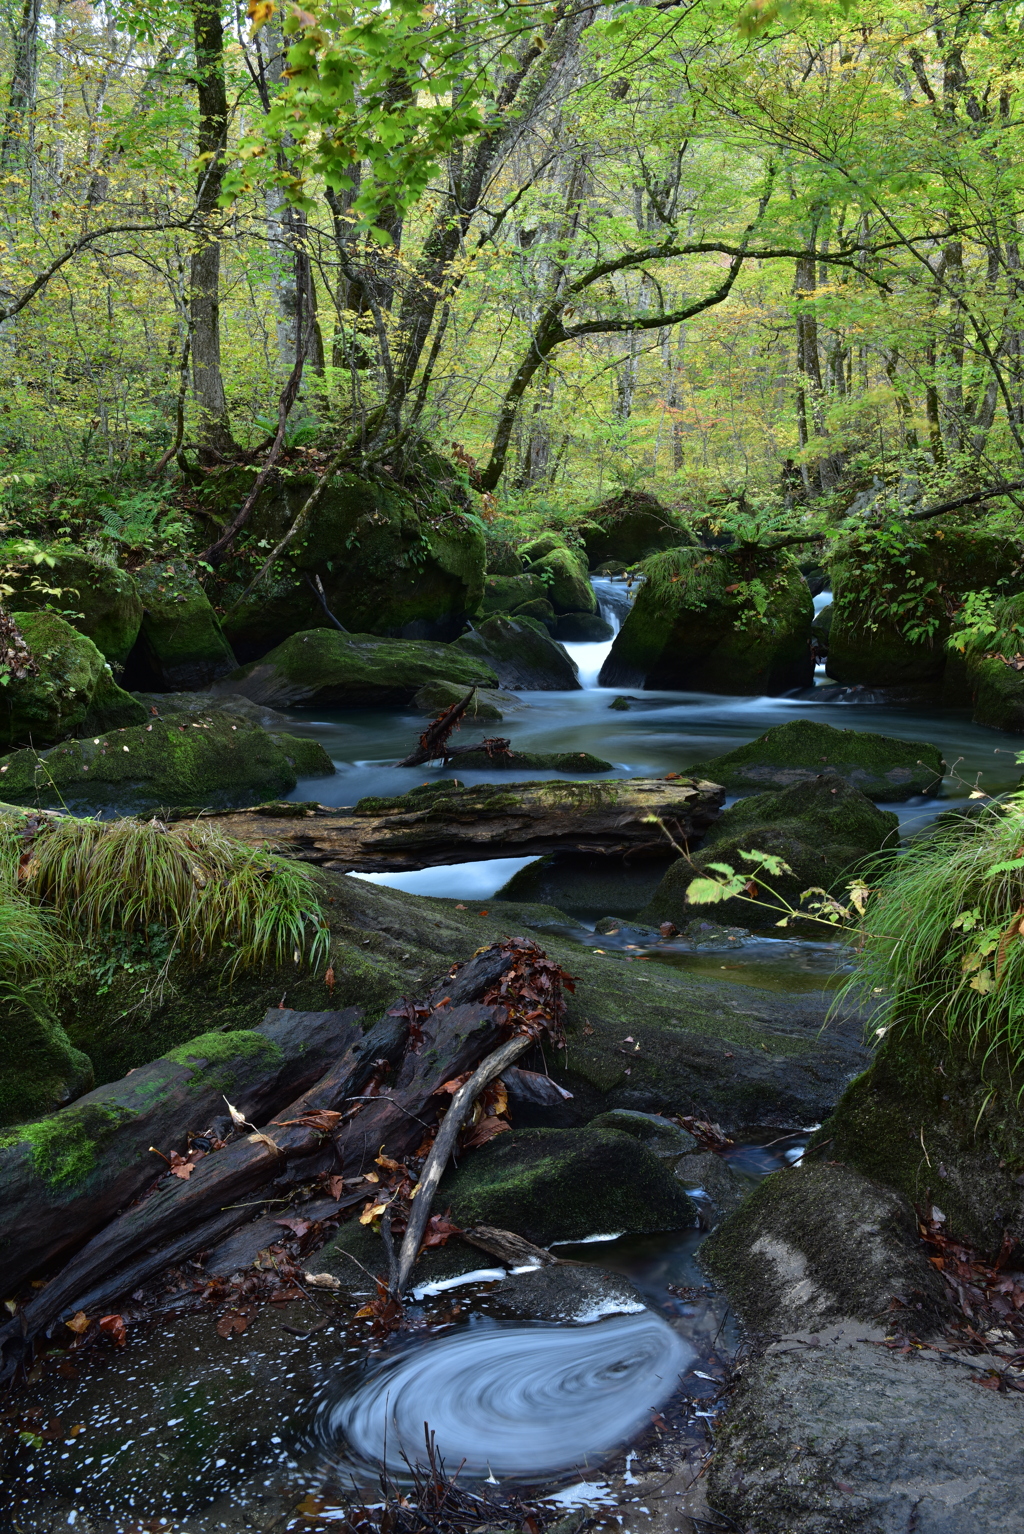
443	824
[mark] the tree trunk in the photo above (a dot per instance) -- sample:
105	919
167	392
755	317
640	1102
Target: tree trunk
18	134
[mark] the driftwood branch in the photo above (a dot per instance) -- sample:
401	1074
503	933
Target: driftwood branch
434	739
444	1144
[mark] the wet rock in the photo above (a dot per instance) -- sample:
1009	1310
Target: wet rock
72	678
699	624
585	883
214	760
582	628
662	1137
822	828
565	1185
331	670
818	1243
488	702
566	584
521	653
831	1433
540	609
712	934
622	703
167	703
631	526
709	1176
868	646
569	1292
101	601
180	643
880	766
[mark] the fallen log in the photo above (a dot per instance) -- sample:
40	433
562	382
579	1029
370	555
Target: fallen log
66	1176
443	823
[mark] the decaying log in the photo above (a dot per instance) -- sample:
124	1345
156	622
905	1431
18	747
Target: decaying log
96	1156
514	1251
457	825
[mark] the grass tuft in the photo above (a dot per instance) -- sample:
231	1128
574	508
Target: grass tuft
210	894
943	936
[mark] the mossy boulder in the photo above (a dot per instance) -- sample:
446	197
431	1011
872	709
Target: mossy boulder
823	829
881	766
736	621
99	600
582	628
892	600
522	655
488	702
565	581
566	1184
72	686
628	528
540	610
504	593
394	560
994	671
212	761
40	1069
821	628
181	644
327	669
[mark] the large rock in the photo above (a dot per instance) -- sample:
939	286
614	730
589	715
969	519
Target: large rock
40	1069
881	766
522	654
488	702
504	593
181	644
994	671
582	628
395	561
737	621
72	689
213	761
99	600
326	669
631	526
565	583
823	829
891	602
565	1185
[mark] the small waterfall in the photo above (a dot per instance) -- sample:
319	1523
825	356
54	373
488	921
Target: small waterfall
614	600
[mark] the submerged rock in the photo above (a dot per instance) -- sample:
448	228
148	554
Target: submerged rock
99	600
587	882
822	828
737	621
521	653
880	766
73	685
331	670
215	760
706	1175
180	643
574	1293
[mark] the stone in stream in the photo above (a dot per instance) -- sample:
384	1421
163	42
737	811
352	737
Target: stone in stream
583	628
322	668
488	702
631	526
99	600
540	609
563	575
71	689
736	621
180	643
822	828
165	704
522	654
214	760
663	1138
880	766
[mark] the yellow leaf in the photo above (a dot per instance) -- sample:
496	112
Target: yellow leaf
78	1323
983	982
371	1212
259	12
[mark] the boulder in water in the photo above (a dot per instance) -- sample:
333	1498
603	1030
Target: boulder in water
566	585
71	687
99	600
522	654
663	1138
488	702
180	643
582	628
881	766
214	760
735	621
326	669
631	526
823	829
540	610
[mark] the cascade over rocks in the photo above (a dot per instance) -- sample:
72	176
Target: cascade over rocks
180	644
880	766
72	690
631	526
99	600
521	653
327	669
214	759
822	828
393	560
737	622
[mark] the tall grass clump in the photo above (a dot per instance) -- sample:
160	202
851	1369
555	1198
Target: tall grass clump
943	937
208	894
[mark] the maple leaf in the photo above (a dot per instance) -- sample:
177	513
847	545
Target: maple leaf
232	1321
439	1229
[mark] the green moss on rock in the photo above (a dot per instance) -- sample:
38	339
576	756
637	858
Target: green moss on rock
522	654
213	1047
504	593
565	580
40	1069
881	766
628	528
47	707
181	645
99	600
330	669
488	702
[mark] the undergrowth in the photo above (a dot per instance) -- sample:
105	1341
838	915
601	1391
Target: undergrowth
204	894
943	936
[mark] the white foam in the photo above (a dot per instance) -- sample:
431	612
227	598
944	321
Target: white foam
583	1494
476	1276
